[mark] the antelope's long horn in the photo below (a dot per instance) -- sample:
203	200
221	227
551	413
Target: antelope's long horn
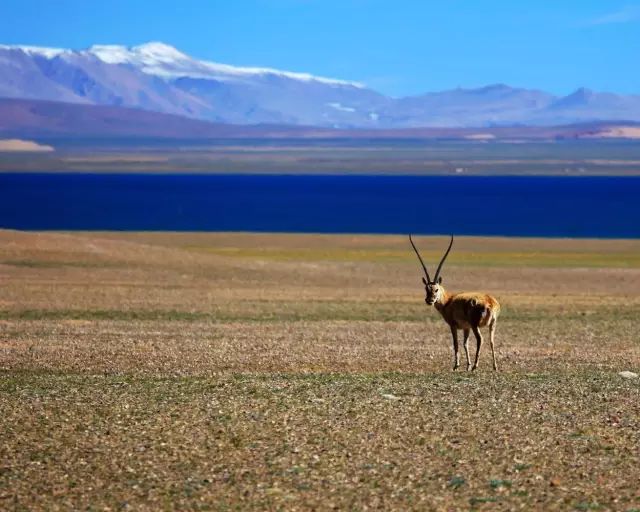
442	260
426	272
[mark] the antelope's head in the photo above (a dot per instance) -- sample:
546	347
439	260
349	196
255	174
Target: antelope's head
433	287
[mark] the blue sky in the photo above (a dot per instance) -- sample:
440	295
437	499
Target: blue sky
398	47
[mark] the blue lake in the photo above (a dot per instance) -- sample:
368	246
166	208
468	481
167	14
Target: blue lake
605	207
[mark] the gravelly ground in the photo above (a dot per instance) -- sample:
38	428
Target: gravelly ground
168	371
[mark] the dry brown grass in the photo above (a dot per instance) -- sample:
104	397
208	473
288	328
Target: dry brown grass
232	371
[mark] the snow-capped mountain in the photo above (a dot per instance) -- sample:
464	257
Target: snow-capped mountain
160	78
166	61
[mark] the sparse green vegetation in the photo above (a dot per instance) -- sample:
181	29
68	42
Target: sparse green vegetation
54	264
496	483
315	311
476	258
456	482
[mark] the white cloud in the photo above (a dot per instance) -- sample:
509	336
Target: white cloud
625	15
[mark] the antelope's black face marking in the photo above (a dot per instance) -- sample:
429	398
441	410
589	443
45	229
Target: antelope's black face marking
433	291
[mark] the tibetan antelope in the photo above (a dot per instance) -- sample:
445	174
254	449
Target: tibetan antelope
467	311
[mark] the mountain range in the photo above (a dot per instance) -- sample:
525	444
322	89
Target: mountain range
159	78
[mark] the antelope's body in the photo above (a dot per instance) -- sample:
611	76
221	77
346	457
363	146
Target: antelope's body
467	311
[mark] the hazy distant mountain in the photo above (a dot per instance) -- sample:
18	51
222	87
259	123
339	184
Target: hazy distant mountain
492	105
36	119
160	78
587	105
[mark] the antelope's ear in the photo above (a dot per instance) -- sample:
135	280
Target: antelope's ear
440	280
424	281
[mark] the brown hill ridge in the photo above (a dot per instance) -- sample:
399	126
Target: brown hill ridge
25	119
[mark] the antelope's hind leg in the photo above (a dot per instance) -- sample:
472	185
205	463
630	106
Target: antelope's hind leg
465	344
456	356
492	331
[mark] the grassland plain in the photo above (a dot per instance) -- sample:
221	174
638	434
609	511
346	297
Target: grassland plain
150	371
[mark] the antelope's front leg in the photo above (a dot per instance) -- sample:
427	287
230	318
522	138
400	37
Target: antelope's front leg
478	336
456	357
465	344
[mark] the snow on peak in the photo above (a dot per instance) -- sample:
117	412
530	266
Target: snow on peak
341	107
49	53
147	56
160	59
159	51
110	53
